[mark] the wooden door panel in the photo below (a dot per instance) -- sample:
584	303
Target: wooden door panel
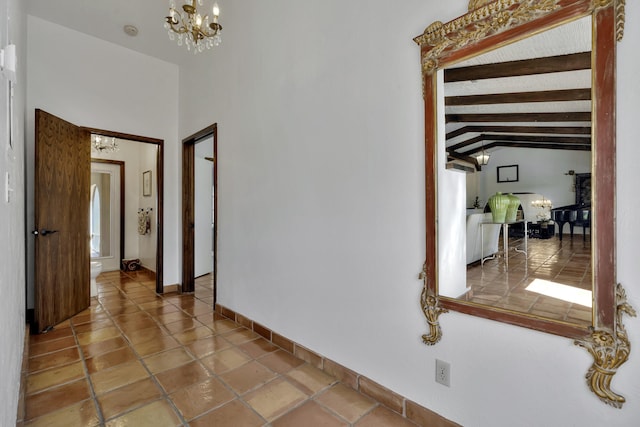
62	181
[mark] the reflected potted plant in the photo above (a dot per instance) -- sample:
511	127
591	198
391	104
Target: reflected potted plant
476	203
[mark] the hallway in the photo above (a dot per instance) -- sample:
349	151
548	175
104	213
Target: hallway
138	359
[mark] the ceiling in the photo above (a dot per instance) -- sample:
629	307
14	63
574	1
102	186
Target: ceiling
488	106
535	93
105	20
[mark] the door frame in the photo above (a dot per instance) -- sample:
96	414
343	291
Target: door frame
160	196
122	187
188	208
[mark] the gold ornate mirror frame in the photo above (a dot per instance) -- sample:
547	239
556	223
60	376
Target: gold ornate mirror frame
497	23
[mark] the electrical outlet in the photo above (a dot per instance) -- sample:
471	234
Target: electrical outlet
443	373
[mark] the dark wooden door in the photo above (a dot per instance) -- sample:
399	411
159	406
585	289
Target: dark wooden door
62	181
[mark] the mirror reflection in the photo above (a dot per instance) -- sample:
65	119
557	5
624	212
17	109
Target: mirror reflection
517	120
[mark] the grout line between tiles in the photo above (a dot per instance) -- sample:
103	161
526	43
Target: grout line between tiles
153	378
136	289
87	376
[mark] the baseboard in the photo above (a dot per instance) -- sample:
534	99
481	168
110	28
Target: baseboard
167	289
397	403
148	271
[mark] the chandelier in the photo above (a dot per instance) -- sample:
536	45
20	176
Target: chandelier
102	144
542	203
191	28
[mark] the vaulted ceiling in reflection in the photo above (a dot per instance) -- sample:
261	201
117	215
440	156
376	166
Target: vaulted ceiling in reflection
535	93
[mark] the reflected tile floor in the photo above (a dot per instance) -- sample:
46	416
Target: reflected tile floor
567	262
135	358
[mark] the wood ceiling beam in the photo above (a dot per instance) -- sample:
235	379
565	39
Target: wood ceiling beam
550	64
560	140
519	117
538	138
571	130
554	146
464	157
470	141
520	97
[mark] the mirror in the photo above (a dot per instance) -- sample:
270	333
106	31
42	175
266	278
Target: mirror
533	127
531	84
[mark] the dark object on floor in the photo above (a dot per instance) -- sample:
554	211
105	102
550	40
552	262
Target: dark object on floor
130	264
539	230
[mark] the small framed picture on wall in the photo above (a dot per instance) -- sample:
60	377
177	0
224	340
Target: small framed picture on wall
146	183
507	173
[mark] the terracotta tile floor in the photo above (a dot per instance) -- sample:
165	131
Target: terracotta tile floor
135	358
567	262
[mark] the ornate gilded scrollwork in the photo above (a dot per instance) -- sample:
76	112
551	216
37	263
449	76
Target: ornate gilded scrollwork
619	5
431	309
609	350
492	18
619	19
474	4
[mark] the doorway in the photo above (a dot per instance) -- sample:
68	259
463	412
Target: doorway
189	206
62	176
106	212
157	183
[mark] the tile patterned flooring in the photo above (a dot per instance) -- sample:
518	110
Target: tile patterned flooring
567	262
135	358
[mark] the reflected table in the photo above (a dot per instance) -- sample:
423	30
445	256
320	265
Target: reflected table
505	241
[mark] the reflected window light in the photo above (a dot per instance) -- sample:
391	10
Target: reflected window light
94	221
560	291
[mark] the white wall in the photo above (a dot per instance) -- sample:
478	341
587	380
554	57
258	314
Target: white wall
96	84
12	226
451	213
540	171
321	211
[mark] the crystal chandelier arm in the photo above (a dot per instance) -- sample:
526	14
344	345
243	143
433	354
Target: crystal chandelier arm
176	25
215	29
